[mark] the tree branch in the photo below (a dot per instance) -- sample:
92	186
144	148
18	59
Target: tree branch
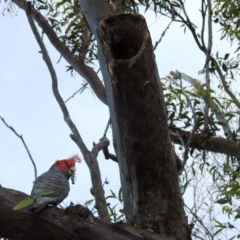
204	142
190	25
24	144
77	63
203	13
73	223
162	35
80	90
89	157
224	83
200	221
207	64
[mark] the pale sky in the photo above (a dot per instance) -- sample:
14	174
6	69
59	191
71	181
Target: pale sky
27	103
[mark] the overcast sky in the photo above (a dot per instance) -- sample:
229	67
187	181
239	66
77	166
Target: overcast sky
27	103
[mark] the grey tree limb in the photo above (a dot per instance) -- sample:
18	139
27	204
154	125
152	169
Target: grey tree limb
90	158
24	144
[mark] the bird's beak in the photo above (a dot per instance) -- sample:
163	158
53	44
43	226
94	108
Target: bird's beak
72	170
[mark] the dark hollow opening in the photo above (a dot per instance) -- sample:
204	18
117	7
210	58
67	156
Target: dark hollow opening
125	36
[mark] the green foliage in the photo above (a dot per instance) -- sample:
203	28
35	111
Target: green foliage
185	107
126	6
114	203
66	19
227	13
116	213
89	202
229	196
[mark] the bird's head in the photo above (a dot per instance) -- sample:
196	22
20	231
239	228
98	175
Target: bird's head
68	165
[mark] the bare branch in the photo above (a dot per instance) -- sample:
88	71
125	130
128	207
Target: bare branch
162	35
97	189
203	13
190	25
80	90
224	83
204	142
76	62
207	64
210	31
24	144
103	145
109	155
105	150
199	220
89	157
107	127
103	142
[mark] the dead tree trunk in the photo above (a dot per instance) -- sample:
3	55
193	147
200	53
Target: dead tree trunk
147	166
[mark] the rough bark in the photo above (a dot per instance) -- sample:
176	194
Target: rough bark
147	167
75	222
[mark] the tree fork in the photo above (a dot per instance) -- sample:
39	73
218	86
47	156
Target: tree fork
147	166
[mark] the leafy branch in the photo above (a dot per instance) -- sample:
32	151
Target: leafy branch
77	62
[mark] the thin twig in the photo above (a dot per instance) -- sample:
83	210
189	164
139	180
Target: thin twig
24	144
199	220
210	31
203	13
162	35
81	89
224	83
105	150
106	129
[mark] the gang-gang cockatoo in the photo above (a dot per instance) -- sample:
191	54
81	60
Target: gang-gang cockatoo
52	187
